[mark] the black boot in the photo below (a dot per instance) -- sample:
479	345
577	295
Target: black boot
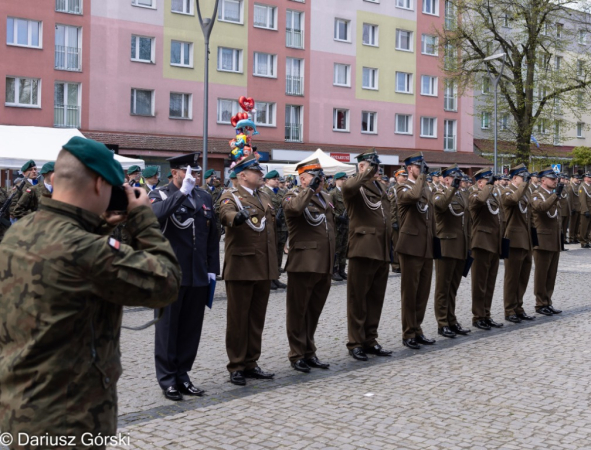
342	272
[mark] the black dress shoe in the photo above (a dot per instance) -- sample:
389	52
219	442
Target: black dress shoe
281	270
188	388
513	318
482	324
336	277
358	354
273	285
494	324
446	332
524	316
279	284
457	329
258	373
411	343
422	339
343	274
300	366
172	393
238	378
377	350
315	362
553	309
545	311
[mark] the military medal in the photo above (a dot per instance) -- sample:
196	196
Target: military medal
255	220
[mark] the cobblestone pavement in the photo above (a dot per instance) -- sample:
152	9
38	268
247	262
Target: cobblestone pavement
525	386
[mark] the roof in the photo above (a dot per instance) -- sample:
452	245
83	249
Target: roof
507	147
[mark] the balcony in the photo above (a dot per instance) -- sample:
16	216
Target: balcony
68	58
293	132
293	38
66	116
294	86
69	6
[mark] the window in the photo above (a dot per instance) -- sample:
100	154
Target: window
340	119
431	7
404	40
542	126
181	54
265	114
449	135
557	62
229	60
144	3
230	11
69	6
450	15
544	31
557	133
403	124
582	37
429	45
26	33
505	20
404	82
265	17
429	127
449	57
142	102
180	106
428	85
557	106
580	98
450	96
405	4
369	122
342	75
580	68
505	122
23	92
342	30
294	81
370	78
66	106
294	36
68	43
485	120
370	34
485	84
293	123
559	30
227	109
265	65
142	49
182	6
580	128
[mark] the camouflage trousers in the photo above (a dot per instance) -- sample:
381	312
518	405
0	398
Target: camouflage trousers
342	240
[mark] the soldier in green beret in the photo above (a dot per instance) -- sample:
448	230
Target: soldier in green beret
134	173
63	284
271	187
151	178
29	200
30	173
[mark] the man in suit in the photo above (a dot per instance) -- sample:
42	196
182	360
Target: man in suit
249	267
310	220
415	249
271	187
546	216
517	209
575	215
451	211
342	224
368	209
151	178
585	199
185	214
486	241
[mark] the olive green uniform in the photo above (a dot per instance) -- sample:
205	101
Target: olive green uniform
280	222
26	207
575	216
585	227
395	219
342	224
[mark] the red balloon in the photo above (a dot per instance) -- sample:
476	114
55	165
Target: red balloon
247	104
234	120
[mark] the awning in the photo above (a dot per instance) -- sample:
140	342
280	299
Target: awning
330	166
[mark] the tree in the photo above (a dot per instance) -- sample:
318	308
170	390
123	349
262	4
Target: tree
546	80
581	157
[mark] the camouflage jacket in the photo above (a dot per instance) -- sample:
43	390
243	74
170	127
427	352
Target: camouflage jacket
62	290
17	195
277	200
340	211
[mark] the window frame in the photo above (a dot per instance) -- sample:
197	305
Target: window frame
274	12
450	85
409	124
374	115
424	45
271	62
347	31
137	49
580	130
235	110
347	75
240	60
67	10
152	102
136	4
434	119
435	4
376	33
410	3
191	9
485	119
29	33
408	81
335	112
78	103
222	8
191	51
376	78
272	115
189	107
454	135
66	53
433	85
410	48
289	29
16	103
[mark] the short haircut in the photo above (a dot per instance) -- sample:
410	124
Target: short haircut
70	173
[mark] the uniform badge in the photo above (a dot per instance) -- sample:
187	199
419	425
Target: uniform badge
152	200
114	243
226	201
255	220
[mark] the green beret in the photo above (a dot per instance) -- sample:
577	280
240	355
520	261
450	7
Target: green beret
209	173
339	175
150	171
232	175
169	174
30	163
98	158
133	169
47	167
271	175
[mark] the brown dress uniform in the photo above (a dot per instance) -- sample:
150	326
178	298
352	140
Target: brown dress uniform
415	251
486	239
249	266
392	196
517	208
342	229
575	216
565	207
546	216
310	221
451	214
585	227
370	238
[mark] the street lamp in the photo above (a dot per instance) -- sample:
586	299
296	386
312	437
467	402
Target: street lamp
206	27
495	81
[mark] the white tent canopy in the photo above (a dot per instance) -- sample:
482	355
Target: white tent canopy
330	166
41	144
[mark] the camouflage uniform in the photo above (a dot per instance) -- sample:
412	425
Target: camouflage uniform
62	291
216	195
17	196
281	224
4	219
342	223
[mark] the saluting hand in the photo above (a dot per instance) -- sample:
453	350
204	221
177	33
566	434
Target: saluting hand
188	182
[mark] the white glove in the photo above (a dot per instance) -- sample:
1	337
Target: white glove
211	276
188	182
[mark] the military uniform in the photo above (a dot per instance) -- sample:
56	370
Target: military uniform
575	217
60	332
395	220
310	220
5	218
585	227
250	264
342	232
565	207
370	238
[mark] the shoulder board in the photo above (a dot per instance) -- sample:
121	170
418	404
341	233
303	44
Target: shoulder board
233	189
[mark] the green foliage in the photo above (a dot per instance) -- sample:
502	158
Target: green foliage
581	157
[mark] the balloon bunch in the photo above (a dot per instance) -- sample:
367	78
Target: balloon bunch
244	124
